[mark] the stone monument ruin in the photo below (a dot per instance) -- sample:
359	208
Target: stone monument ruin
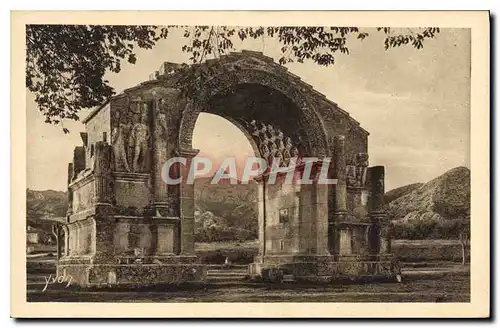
126	226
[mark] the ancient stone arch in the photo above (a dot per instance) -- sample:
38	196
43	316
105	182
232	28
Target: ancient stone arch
225	82
125	222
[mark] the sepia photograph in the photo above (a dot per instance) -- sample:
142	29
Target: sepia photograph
211	161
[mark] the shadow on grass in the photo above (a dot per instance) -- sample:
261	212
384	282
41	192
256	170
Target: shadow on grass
338	283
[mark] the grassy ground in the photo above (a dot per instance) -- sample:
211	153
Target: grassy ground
449	287
427	250
226	245
237	252
418	251
430	279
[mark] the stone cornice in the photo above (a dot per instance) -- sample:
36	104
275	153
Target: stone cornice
79	182
82	215
188	152
130	176
95	111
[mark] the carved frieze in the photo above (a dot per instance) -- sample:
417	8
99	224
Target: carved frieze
161	122
377	176
130	137
272	143
356	168
139	139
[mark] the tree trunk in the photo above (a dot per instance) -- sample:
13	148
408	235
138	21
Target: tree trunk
463	252
58	248
389	244
55	232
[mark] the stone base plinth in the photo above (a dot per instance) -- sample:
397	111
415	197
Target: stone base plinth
159	270
319	268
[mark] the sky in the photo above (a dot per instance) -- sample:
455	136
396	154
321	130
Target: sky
414	103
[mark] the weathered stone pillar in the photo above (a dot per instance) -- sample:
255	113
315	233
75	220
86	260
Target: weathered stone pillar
261	215
386	238
160	157
376	174
66	240
374	238
340	168
70	191
78	161
174	195
101	240
376	205
319	208
102	171
187	206
56	231
340	198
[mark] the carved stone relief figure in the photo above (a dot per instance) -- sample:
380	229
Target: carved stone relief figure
280	147
272	143
279	141
287	151
380	184
161	119
301	145
271	133
357	165
264	150
139	141
350	159
263	133
118	138
254	131
375	176
273	152
295	153
351	179
361	168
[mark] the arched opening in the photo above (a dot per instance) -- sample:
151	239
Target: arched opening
274	125
226	213
248	102
249	95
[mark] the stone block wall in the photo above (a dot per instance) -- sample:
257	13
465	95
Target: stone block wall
295	219
97	129
345	243
283	212
165	239
131	236
149	238
81	238
83	195
131	192
357	203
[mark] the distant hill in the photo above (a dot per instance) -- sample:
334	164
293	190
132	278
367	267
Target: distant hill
401	191
228	211
45	204
225	211
443	198
225	191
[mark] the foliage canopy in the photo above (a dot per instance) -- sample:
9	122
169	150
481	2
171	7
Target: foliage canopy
66	64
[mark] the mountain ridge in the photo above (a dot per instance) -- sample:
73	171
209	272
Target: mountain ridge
444	197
